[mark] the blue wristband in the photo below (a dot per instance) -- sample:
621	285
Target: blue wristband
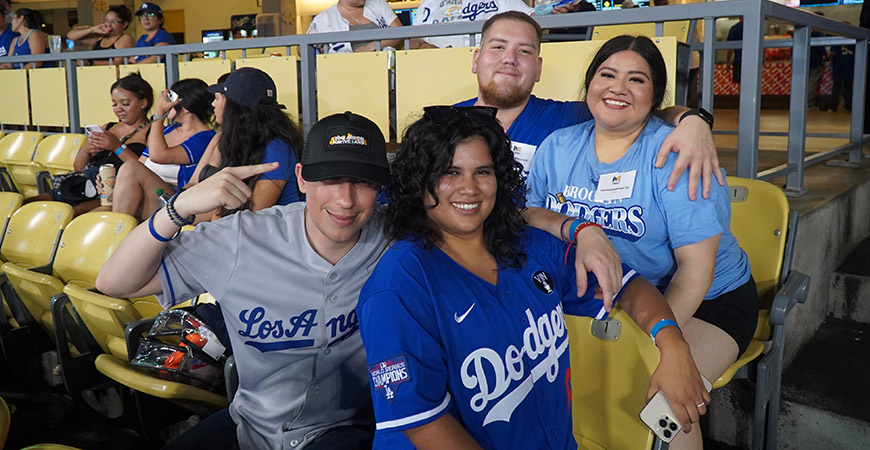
120	150
658	327
572	229
158	236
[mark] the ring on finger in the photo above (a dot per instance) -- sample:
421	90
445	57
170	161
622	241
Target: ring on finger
701	404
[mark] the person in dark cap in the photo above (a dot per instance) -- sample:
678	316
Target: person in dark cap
254	129
287	280
151	18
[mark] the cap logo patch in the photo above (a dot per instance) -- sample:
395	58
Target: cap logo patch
348	139
269	93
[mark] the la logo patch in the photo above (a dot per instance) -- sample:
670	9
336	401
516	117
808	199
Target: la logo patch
388	375
543	282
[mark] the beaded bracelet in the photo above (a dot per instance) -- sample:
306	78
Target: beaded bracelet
173	214
154	232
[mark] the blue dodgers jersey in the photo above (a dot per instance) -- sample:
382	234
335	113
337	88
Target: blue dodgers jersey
441	340
539	118
648	225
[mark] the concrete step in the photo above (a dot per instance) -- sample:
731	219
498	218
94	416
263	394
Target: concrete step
850	292
825	400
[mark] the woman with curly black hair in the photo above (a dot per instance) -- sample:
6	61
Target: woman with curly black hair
462	319
254	130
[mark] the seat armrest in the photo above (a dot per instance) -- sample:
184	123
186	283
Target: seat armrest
133	331
43	182
795	290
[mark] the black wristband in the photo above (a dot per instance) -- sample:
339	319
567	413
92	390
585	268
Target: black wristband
700	112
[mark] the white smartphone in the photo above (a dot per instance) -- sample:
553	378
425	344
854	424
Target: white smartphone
93	129
172	95
660	418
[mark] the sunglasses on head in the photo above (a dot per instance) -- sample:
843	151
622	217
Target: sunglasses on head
443	114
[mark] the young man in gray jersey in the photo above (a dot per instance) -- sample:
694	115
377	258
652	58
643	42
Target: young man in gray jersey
287	279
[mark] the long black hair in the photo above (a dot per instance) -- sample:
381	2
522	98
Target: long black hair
647	50
195	98
135	84
32	18
245	133
426	153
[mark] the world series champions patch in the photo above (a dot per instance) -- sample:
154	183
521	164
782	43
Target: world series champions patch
388	375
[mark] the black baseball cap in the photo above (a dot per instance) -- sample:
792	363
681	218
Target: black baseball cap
149	7
249	86
345	145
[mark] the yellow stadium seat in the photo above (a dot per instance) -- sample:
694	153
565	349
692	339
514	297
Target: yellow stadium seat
14	92
335	95
427	67
678	29
5	421
95	100
17	146
30	240
9	203
47	85
32	233
86	243
55	154
765	228
609	380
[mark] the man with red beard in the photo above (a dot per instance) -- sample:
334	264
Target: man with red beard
508	64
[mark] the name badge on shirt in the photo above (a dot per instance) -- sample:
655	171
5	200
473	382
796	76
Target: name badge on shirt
615	186
523	154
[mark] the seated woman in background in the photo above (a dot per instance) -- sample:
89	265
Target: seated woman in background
120	141
171	156
602	171
151	18
108	35
254	129
467	284
30	40
353	15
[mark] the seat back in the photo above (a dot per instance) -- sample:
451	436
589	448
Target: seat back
57	152
33	231
5	421
105	317
9	203
86	244
759	221
335	95
678	29
609	380
19	145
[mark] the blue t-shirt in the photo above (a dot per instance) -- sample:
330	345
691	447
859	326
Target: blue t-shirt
6	38
194	146
441	340
651	221
162	36
281	152
539	118
23	48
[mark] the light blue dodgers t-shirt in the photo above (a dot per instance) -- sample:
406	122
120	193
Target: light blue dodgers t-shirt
649	223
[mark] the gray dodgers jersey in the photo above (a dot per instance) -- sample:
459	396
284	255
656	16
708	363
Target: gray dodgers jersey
290	316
